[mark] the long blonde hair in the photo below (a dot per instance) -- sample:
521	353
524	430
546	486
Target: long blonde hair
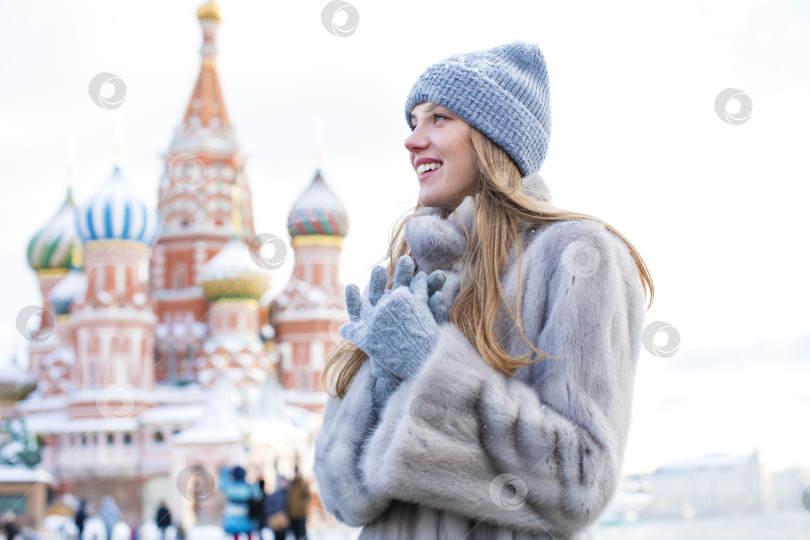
501	207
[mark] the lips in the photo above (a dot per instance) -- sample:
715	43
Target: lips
428	174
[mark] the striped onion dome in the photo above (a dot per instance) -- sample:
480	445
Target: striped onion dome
52	246
116	212
232	273
318	211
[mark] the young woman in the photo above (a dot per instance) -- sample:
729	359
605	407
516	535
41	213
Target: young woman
484	386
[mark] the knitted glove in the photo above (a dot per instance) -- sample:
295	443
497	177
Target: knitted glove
396	328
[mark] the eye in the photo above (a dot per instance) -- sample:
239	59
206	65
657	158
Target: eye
438	116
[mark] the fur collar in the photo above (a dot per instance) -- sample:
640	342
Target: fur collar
437	242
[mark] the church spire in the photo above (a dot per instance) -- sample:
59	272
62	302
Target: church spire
207	104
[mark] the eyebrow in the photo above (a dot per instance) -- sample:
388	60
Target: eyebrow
429	112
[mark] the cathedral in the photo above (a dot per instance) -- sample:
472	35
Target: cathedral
161	356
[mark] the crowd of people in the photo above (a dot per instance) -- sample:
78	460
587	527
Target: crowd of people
249	508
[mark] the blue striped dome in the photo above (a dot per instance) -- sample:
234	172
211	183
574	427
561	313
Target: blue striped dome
116	212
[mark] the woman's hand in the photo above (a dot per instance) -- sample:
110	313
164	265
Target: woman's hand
397	328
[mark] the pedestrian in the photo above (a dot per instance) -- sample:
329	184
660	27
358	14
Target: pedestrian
163	519
297	498
275	508
257	507
10	528
238	494
78	519
109	513
484	385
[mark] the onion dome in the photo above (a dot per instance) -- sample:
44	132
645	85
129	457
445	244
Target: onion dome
318	211
70	288
210	10
116	212
52	247
232	273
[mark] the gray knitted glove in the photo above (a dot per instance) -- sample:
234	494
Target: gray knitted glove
397	328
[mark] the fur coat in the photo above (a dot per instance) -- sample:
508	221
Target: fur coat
464	451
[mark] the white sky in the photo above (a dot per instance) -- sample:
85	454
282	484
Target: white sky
715	209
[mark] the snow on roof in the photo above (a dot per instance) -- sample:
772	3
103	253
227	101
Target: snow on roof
72	287
220	422
172	414
62	354
24	474
36	402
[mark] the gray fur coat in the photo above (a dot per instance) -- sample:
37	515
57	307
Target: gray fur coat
463	451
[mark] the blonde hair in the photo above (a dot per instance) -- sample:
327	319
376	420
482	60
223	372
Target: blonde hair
501	207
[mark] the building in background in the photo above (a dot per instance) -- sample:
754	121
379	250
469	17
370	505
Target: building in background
157	358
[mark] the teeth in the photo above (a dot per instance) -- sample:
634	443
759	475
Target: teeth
427	167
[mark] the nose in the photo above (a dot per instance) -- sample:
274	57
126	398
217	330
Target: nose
416	141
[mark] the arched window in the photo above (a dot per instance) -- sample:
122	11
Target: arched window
127	439
158	437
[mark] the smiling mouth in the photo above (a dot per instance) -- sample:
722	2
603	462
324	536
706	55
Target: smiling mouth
425	170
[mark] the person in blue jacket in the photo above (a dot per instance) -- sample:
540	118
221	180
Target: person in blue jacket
239	494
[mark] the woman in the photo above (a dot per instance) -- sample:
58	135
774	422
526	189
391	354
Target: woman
506	416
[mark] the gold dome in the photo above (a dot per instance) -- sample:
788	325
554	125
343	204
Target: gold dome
211	10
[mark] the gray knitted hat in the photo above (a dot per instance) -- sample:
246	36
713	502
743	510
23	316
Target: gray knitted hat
502	92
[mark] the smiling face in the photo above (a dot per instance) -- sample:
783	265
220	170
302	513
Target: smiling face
441	153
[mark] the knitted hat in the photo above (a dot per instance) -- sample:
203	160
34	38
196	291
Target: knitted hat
503	92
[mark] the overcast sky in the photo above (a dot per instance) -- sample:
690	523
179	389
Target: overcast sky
716	209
